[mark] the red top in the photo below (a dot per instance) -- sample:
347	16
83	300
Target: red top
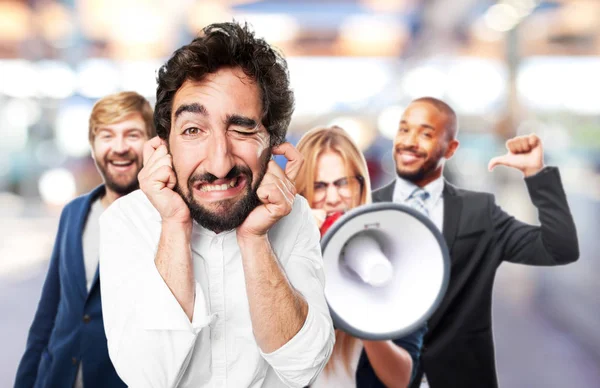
329	221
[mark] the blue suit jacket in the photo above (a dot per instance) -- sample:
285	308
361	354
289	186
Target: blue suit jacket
68	328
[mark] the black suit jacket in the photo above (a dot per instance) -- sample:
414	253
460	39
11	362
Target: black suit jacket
458	349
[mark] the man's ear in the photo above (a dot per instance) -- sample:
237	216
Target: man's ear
92	151
452	147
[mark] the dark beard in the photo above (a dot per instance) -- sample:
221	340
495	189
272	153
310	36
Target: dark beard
236	210
122	190
428	168
413	176
119	188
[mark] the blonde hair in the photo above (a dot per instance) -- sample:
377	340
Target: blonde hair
319	140
117	107
312	145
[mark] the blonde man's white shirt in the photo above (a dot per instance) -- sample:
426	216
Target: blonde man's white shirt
151	341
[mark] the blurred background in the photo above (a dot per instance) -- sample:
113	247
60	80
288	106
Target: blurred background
507	67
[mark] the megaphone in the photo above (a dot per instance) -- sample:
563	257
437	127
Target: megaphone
387	268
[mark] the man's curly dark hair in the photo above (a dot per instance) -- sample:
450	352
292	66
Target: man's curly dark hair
224	45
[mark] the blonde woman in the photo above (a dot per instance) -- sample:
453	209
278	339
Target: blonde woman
334	179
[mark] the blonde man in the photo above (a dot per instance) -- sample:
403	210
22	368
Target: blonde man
66	346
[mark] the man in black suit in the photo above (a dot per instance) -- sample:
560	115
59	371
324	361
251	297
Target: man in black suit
458	350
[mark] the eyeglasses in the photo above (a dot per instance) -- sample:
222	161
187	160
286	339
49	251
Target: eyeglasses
346	187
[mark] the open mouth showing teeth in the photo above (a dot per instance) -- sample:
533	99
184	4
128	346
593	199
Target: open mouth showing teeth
121	163
410	156
205	187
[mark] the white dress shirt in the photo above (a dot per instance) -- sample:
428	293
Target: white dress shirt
434	204
90	241
151	341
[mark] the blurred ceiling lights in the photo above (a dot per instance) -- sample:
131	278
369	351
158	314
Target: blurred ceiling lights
357	129
97	77
15	25
424	80
574	86
71	128
16	116
55	21
388	121
57	186
140	76
55	79
372	35
506	14
18	78
273	27
202	13
387	6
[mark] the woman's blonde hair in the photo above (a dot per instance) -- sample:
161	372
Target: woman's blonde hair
319	140
312	145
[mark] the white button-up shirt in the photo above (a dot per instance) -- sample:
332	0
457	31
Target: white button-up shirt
434	204
151	341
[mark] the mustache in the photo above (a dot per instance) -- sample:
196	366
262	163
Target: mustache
210	178
128	155
411	150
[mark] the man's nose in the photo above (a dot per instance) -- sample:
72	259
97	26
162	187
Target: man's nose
120	145
408	140
220	158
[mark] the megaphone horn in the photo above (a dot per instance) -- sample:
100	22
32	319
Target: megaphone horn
387	268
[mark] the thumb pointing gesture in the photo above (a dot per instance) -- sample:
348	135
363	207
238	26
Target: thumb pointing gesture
525	153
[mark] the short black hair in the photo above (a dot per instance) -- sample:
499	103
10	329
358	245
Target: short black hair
452	128
223	45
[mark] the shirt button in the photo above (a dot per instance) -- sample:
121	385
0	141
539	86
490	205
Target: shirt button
86	318
74	361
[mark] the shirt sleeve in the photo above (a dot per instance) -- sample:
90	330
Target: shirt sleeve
413	344
554	241
150	339
302	358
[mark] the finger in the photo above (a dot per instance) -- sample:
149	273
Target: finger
163	177
172	179
525	147
512	146
150	163
160	151
149	147
517	146
274	169
164	160
294	157
533	140
284	184
521	145
272	194
498	161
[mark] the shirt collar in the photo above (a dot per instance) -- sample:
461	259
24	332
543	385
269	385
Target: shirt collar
197	228
404	188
